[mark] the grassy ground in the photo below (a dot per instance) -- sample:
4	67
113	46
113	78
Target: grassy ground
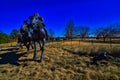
62	61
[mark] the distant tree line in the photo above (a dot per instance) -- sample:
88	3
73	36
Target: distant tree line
5	38
110	31
72	31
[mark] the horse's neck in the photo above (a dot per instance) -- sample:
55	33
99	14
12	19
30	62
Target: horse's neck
39	25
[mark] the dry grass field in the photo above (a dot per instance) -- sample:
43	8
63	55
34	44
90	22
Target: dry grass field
62	61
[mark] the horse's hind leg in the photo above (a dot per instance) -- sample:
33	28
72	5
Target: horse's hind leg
35	50
28	47
21	46
42	50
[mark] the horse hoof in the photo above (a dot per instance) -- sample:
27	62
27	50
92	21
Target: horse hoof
40	49
34	58
17	48
27	52
40	60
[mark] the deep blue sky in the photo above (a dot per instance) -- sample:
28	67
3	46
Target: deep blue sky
57	13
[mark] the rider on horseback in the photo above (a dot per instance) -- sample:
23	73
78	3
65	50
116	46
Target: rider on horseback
36	15
25	29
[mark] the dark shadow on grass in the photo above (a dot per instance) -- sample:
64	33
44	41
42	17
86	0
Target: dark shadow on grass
11	58
29	60
25	60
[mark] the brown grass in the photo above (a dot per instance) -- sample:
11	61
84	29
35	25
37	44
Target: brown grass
62	62
8	44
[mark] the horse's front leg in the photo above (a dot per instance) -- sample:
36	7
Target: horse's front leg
21	46
35	50
39	44
42	50
28	47
31	44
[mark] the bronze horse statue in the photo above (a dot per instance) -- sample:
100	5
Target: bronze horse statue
38	34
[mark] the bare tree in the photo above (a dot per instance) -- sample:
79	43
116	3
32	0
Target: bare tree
82	31
114	30
51	34
69	30
102	33
108	32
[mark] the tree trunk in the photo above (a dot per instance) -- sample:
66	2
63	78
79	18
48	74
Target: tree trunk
104	39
